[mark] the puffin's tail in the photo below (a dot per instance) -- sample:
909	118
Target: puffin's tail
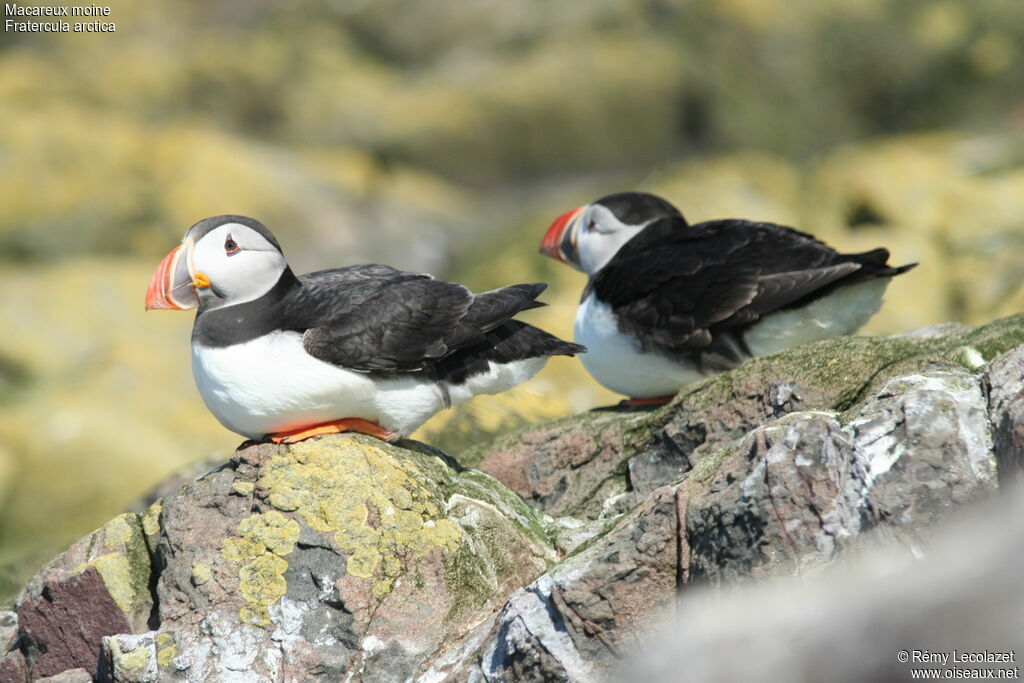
516	340
875	263
510	341
490	309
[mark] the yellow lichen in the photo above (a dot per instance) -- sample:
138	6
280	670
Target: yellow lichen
276	532
167	650
165	656
243	488
201	573
363	561
263	540
118	530
125	571
372	503
135	659
262	580
151	518
240	549
116	570
255	615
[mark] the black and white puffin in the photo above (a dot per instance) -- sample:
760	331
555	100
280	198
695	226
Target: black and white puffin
669	303
365	348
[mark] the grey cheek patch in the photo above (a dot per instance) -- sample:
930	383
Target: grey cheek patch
217	292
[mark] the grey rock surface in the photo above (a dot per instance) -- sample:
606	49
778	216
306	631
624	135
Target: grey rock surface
963	593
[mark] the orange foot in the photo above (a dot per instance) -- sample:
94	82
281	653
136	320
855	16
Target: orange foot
348	424
643	402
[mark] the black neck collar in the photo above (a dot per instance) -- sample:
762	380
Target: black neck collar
230	325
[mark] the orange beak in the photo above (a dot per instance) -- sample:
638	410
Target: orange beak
172	285
556	240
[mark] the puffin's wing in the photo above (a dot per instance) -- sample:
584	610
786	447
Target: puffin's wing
676	285
384	320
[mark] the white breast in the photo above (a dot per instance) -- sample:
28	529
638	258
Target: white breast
617	361
270	384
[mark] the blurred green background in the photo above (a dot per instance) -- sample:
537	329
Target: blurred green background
444	136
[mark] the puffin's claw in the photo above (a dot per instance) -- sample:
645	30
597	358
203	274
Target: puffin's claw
348	424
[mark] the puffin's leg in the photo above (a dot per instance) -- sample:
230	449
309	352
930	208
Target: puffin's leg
641	402
348	424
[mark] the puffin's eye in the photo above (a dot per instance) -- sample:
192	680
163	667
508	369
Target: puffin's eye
591	224
231	247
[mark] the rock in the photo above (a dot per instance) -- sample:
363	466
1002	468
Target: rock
328	556
69	676
345	556
1006	414
576	620
963	593
793	494
570	466
579	465
98	587
8	631
13	667
138	657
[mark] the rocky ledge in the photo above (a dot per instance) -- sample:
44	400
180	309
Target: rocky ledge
344	557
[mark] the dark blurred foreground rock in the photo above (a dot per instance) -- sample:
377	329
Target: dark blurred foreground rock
343	556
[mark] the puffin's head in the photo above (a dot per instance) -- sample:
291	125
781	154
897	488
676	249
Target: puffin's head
586	238
222	261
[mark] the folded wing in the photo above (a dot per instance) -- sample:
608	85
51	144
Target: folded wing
379	319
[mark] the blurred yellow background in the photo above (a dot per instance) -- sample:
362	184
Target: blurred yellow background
444	136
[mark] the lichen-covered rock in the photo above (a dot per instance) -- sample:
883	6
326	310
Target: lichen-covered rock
605	462
98	587
578	619
343	556
137	658
329	556
804	486
785	499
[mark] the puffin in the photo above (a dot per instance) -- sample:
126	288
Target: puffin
668	303
365	348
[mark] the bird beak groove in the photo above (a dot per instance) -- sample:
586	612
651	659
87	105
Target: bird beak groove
173	286
560	235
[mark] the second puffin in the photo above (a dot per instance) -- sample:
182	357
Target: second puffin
365	348
669	303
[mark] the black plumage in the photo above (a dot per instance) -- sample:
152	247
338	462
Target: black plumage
689	292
